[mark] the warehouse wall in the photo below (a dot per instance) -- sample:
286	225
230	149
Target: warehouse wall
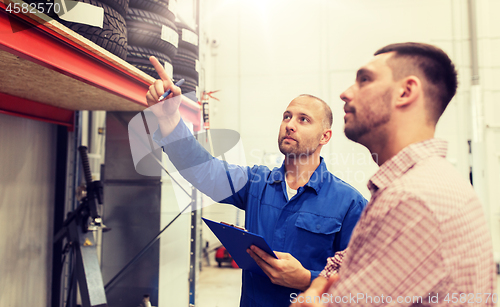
489	64
261	54
27	186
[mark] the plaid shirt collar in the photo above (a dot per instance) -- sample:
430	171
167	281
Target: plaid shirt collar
404	160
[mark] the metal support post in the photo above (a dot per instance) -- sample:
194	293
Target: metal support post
477	112
87	267
193	250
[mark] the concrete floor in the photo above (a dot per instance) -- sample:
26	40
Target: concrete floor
219	287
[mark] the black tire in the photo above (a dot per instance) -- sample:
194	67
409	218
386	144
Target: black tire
145	29
188	38
189	85
146	68
143	16
183	70
144	54
121	6
113	35
139	57
184	63
159	7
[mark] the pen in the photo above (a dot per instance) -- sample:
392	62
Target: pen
179	83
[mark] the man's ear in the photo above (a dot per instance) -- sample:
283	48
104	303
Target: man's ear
409	91
325	137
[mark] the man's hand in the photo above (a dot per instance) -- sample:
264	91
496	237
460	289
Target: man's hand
167	110
319	286
284	271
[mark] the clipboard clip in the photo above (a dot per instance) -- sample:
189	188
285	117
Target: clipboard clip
238	227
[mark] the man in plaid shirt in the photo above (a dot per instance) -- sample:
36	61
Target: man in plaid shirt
423	239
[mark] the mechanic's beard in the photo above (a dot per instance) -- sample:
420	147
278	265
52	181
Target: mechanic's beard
297	152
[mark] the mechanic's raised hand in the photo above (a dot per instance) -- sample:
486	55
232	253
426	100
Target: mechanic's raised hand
167	110
284	271
313	297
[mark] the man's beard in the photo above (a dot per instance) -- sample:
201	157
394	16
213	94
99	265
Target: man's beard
296	150
372	121
354	133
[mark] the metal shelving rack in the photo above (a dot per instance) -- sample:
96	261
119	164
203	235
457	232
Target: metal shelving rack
59	73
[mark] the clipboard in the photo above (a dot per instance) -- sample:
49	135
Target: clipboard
237	241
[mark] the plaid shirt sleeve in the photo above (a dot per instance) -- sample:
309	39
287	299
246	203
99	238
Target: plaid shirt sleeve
333	264
394	254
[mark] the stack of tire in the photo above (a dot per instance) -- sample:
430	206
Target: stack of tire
113	35
185	61
151	31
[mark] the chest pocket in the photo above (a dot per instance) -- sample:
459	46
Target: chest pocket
318	224
315	239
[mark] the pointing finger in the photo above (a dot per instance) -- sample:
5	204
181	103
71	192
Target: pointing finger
159	69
